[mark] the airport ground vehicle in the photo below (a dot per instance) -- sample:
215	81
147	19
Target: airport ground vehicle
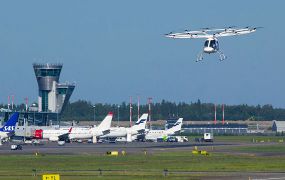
208	137
16	147
182	138
172	139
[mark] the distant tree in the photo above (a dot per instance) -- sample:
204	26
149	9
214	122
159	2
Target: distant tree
84	110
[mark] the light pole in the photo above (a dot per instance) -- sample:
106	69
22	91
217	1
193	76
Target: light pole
34	105
57	114
94	113
118	114
34	117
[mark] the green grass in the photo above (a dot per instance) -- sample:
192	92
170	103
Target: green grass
247	138
261	149
134	166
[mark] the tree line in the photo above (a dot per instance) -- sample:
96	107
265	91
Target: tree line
195	111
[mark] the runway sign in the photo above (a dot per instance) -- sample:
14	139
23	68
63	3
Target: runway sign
51	177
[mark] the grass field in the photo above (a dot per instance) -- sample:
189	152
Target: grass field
258	149
140	166
246	139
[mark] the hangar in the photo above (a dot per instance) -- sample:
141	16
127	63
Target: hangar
216	128
278	126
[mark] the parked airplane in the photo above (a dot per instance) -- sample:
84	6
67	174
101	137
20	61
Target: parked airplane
60	134
88	133
67	133
153	135
137	128
9	127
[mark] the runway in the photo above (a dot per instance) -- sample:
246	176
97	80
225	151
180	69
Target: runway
101	148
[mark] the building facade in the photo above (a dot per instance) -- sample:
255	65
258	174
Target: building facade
278	126
216	128
53	96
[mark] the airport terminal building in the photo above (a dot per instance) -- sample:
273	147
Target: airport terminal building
236	129
278	126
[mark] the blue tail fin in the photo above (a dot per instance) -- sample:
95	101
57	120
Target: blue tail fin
9	126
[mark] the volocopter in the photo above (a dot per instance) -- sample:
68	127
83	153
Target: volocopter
211	44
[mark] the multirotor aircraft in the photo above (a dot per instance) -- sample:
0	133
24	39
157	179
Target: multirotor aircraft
211	44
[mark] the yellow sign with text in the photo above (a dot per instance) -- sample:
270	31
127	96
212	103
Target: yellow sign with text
51	177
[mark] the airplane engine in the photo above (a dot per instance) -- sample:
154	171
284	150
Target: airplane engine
53	138
38	134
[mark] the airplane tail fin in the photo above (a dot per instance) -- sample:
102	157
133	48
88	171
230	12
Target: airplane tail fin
106	123
9	126
176	127
140	124
69	131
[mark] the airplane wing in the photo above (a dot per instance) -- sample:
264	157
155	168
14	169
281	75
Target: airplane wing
65	137
141	131
189	35
106	132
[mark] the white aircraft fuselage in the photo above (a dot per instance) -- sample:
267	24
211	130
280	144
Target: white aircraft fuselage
155	134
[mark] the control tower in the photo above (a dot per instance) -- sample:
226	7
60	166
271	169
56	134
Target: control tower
53	96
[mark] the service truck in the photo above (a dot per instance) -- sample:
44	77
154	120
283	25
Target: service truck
208	137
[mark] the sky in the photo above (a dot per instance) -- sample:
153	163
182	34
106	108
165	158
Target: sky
116	49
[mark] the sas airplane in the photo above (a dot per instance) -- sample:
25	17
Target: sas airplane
128	133
153	135
9	127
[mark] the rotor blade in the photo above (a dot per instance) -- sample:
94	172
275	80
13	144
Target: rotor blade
230	27
208	33
260	27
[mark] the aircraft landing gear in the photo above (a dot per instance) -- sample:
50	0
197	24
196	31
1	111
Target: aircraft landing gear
222	55
200	56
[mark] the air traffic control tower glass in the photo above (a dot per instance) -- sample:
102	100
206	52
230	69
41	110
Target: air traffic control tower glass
46	75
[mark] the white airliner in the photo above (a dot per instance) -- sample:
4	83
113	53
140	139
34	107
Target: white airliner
9	127
88	133
60	134
153	135
128	133
70	133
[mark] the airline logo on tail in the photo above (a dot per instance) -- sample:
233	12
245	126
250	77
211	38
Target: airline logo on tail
140	124
177	123
140	121
11	123
176	127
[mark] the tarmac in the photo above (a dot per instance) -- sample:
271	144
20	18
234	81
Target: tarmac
101	148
